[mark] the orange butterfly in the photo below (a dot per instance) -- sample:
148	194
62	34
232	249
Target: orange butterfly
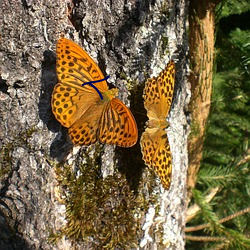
81	109
158	93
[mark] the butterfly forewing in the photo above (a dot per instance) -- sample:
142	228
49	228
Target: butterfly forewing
75	67
158	92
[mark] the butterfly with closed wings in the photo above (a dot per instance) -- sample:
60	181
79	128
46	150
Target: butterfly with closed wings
158	93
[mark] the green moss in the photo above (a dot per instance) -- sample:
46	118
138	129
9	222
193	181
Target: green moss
19	140
5	160
123	76
164	45
105	212
164	10
129	83
28	133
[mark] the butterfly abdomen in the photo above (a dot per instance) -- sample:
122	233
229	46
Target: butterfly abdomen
157	123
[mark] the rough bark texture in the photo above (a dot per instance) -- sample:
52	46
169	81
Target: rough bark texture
129	37
201	40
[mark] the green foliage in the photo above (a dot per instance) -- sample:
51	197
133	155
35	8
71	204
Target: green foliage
230	7
207	211
226	153
218	176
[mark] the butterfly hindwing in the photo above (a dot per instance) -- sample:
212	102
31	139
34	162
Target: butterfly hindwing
118	125
156	154
85	130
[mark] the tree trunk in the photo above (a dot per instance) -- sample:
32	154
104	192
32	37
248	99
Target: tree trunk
201	40
54	195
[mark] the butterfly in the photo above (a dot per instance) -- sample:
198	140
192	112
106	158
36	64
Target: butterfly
80	108
157	95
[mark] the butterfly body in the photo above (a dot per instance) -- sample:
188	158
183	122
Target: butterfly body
157	123
79	107
158	93
110	94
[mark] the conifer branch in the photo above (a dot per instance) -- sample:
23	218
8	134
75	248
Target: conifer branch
230	217
205	238
194	209
245	159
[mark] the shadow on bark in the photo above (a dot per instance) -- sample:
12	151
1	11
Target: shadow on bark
9	239
61	145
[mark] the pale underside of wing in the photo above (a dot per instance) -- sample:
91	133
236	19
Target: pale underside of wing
156	154
158	93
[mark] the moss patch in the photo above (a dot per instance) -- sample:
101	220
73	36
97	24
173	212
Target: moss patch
20	140
103	212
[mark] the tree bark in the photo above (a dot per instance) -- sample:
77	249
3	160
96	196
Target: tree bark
42	197
201	41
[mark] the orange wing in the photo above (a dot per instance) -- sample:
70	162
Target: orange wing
70	100
75	67
85	130
155	148
158	93
117	125
81	109
156	154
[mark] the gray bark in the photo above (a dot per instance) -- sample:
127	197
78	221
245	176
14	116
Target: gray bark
134	37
